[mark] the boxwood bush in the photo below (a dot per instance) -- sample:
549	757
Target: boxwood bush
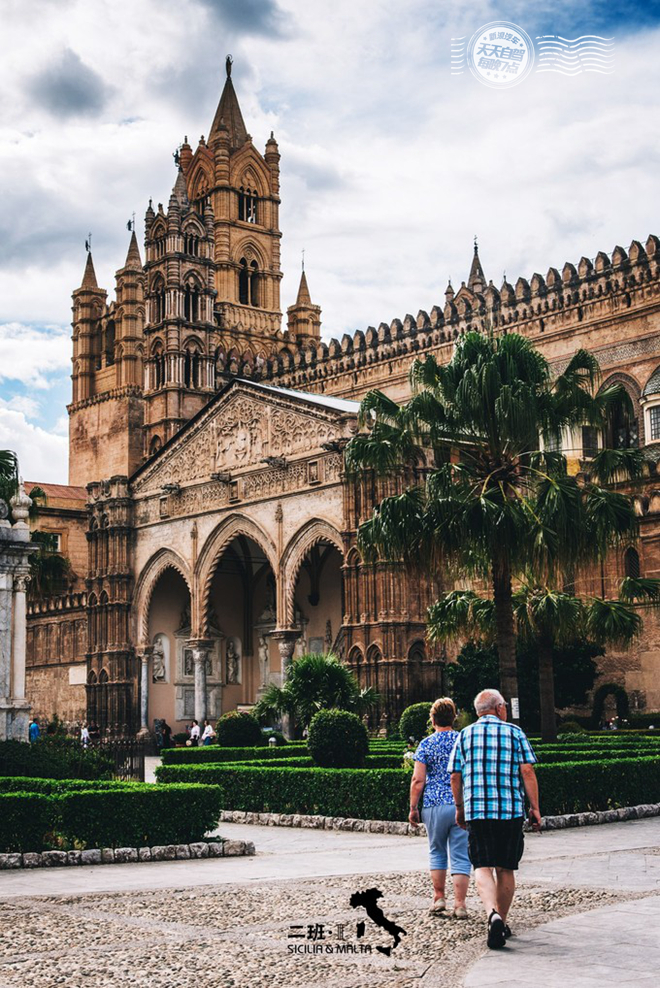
337	739
54	758
214	753
39	813
25	819
382	794
415	721
239	729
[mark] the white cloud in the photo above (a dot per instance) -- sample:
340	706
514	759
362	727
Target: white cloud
42	456
28	354
21	403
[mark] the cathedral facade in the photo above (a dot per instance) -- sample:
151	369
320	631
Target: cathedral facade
209	522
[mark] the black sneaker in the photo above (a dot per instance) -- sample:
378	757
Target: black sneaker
496	931
507	931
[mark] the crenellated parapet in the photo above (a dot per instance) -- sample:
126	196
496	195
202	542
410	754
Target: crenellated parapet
588	295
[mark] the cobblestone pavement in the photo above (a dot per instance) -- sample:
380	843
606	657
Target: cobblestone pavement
228	924
240	937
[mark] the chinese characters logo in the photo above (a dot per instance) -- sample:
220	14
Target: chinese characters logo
500	54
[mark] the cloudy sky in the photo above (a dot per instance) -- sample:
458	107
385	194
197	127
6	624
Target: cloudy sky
390	165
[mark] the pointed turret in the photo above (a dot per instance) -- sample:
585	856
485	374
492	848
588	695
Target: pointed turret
229	112
89	277
477	279
304	318
133	259
180	190
303	297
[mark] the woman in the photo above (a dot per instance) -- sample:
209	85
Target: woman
439	810
208	733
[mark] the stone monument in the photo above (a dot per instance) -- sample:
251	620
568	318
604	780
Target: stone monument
15	551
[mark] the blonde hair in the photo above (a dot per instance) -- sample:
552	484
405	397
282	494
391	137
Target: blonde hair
443	712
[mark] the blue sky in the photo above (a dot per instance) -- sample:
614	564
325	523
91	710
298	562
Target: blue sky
389	164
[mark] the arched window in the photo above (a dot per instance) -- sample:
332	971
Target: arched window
110	344
247	205
191	367
631	564
155	445
254	284
158	367
243	283
622	430
159	300
191	302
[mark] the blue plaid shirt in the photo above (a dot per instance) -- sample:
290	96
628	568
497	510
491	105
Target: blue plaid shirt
488	755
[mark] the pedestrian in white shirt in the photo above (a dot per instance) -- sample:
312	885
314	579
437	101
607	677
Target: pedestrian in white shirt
194	733
208	733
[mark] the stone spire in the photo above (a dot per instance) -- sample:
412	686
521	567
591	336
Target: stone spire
89	277
303	298
229	112
133	259
477	279
180	190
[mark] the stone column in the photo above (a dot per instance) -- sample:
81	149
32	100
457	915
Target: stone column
143	655
200	648
286	641
20	636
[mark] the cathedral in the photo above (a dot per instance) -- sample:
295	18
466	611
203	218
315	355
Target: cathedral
210	528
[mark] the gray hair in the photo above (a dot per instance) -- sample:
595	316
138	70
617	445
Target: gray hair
487	700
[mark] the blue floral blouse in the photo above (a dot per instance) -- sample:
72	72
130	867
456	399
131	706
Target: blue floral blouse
434	752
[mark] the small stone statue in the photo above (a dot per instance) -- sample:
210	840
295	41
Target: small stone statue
232	662
159	673
263	660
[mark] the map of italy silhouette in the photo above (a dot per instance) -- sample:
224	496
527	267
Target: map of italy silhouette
369	900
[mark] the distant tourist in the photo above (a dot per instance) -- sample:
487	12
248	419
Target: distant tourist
492	767
94	732
34	731
166	731
439	811
84	735
208	733
194	733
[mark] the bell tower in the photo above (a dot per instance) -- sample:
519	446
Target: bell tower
243	188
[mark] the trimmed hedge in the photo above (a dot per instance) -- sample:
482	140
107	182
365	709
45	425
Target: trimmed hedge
415	721
46	812
337	739
54	758
25	817
238	728
214	753
355	792
382	794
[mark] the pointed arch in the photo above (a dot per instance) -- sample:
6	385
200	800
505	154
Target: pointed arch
216	543
314	531
162	560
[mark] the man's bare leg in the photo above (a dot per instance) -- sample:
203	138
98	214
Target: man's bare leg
487	888
505	888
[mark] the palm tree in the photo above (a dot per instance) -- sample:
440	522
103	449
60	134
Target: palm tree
490	496
548	619
316	682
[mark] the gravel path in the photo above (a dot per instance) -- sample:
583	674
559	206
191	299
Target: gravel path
237	936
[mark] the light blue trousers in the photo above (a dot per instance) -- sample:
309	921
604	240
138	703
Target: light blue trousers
445	834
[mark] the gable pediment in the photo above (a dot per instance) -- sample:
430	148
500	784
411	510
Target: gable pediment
240	430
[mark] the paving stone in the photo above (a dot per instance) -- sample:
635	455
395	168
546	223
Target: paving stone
92	856
216	849
107	855
163	852
74	857
182	852
53	859
144	854
125	854
199	849
232	848
8	861
31	859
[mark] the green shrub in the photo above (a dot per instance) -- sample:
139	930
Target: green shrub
237	729
571	727
269	733
140	817
214	753
54	758
366	794
415	721
337	739
574	787
25	819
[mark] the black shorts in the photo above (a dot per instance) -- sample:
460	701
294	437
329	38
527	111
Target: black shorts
496	843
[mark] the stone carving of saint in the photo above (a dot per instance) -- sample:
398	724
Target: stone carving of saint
187	662
232	662
268	613
263	660
301	646
159	674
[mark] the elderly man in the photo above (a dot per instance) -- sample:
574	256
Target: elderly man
492	767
